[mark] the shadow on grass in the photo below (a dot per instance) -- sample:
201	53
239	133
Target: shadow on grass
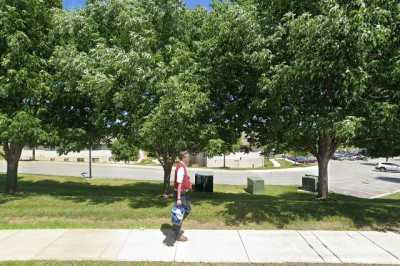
282	210
139	194
237	208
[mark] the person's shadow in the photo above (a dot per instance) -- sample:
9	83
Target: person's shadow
170	238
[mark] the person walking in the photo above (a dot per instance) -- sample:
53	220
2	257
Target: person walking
182	187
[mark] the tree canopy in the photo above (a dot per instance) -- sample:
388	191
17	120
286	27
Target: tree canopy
177	118
25	48
101	62
379	131
311	98
233	55
293	75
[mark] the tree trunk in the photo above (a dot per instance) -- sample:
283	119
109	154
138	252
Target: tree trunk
12	156
90	161
224	163
33	154
167	166
326	148
323	163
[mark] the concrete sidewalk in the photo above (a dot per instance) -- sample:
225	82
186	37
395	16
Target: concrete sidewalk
245	246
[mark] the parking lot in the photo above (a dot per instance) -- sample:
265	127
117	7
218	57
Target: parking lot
359	178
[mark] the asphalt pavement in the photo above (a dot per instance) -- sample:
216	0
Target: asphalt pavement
232	177
356	178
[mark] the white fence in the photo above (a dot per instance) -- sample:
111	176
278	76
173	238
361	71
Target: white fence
98	156
237	160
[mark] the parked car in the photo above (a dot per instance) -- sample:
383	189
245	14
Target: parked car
340	156
387	167
303	159
357	157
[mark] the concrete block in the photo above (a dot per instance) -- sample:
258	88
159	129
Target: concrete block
78	245
7	233
278	247
388	241
352	247
117	243
319	248
146	245
25	244
211	246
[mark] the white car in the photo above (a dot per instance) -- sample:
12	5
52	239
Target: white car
388	167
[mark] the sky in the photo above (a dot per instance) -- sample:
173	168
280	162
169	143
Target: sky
71	4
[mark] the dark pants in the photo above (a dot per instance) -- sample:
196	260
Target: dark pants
186	204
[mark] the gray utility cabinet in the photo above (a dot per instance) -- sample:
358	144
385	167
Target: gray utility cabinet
309	183
255	185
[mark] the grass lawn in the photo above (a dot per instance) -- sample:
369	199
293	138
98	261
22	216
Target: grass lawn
394	196
73	202
268	164
148	161
286	164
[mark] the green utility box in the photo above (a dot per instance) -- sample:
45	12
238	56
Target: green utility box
255	185
309	183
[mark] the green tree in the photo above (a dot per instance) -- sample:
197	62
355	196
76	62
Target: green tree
232	57
170	113
101	53
379	134
215	147
25	47
55	3
218	147
175	124
311	100
270	12
126	69
124	151
79	102
380	131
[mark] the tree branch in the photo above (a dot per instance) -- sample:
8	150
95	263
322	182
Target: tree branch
334	144
6	150
2	152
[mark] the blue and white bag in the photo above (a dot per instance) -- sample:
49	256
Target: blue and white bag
177	214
